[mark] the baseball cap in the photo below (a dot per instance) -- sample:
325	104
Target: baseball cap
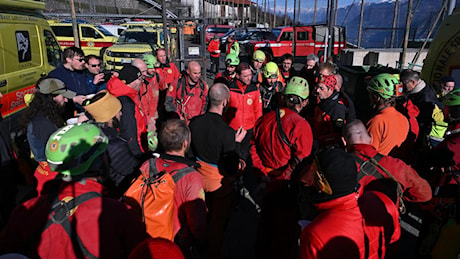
129	73
55	87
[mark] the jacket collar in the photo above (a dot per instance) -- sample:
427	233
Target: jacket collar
346	202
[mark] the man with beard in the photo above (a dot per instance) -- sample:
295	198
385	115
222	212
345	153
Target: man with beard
216	147
231	61
271	87
44	116
287	70
188	95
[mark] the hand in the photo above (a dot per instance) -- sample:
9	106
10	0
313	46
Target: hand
79	99
82	118
98	78
240	134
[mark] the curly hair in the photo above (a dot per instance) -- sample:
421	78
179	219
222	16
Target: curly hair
45	105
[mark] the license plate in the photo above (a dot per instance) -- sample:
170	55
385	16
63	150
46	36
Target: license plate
125	61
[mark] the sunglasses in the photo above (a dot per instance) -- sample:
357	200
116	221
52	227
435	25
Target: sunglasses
80	60
94	65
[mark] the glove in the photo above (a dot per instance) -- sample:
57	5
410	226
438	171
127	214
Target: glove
152	140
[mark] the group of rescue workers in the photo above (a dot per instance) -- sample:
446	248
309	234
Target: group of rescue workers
148	161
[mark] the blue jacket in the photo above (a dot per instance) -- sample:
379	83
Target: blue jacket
74	80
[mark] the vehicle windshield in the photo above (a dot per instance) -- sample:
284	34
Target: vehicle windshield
104	31
228	33
138	37
276	32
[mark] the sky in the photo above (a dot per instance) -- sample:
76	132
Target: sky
310	3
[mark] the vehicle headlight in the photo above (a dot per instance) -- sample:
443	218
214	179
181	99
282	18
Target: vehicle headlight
108	53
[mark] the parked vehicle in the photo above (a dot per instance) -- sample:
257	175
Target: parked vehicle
94	39
28	50
218	29
114	29
238	34
133	43
309	39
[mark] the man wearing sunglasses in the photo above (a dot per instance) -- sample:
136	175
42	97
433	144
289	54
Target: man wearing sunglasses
71	71
96	80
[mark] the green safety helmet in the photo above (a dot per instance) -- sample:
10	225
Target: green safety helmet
150	60
452	98
232	59
384	85
72	149
259	56
271	70
297	86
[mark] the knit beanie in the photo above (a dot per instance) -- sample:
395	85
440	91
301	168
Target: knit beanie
129	73
338	169
104	108
330	81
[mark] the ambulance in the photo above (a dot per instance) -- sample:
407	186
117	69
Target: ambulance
28	50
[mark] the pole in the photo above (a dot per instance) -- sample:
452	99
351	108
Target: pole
274	13
76	37
406	35
331	22
360	28
293	44
314	12
417	55
165	27
298	13
265	12
395	20
285	13
257	13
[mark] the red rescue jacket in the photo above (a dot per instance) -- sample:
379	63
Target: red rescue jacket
266	142
245	106
213	48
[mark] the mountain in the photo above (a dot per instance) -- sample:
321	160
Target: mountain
378	20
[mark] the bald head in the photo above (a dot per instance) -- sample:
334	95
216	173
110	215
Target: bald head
355	132
193	72
140	64
218	93
339	79
193	65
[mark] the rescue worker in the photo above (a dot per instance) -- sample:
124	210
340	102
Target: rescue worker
217	148
74	219
168	73
126	88
277	147
337	232
229	74
233	46
310	73
258	60
105	111
214	53
245	105
150	89
190	211
270	88
359	142
431	118
287	69
188	96
330	113
447	85
388	127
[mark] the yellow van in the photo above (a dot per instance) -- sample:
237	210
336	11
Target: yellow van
94	39
133	43
28	50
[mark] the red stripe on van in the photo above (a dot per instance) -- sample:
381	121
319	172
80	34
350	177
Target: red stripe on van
14	101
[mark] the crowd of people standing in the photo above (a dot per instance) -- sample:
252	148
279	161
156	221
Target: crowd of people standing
329	185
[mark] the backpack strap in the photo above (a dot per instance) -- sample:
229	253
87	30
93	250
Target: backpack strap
375	163
280	128
181	173
60	213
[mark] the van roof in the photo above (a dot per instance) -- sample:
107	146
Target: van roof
23	4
